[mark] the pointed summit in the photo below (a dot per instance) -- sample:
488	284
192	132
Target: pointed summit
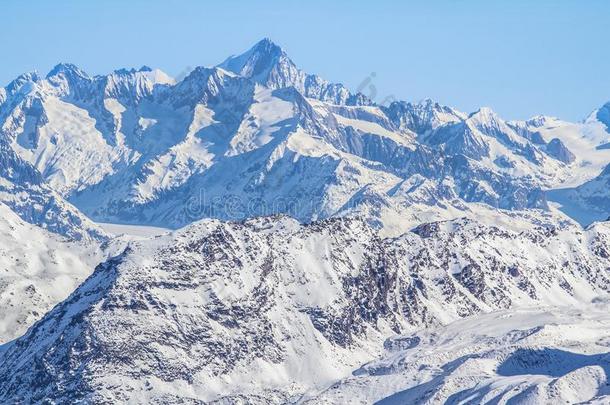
69	70
489	122
266	45
22	83
259	62
266	63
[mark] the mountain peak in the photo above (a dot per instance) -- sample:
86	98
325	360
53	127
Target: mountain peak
68	69
258	61
485	116
428	102
423	116
268	46
125	71
202	73
266	63
484	112
540	121
21	81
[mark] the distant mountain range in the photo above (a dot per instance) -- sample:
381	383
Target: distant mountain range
256	135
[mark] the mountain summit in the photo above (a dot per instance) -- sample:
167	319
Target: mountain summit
268	64
259	61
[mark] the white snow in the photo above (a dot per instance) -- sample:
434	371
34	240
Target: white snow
530	355
38	269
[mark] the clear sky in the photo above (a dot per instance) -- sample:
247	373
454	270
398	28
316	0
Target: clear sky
521	58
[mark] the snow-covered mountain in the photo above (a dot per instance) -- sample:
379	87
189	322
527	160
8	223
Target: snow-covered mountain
396	222
271	311
257	136
268	64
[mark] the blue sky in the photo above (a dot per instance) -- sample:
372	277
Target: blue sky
519	57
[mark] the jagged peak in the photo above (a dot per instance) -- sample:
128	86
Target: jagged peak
67	69
124	71
540	121
424	115
22	86
427	104
32	76
201	77
266	45
257	61
205	82
203	73
485	117
152	76
21	80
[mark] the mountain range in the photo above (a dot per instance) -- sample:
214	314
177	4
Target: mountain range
228	142
319	247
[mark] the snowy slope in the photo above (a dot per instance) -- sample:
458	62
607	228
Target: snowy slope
38	269
587	203
585	140
547	355
270	310
24	190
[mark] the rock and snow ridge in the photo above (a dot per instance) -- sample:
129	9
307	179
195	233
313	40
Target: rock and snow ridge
272	311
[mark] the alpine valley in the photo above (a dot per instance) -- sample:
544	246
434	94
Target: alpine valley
255	234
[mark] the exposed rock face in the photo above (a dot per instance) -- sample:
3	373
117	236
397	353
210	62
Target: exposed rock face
423	117
558	150
270	308
603	115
